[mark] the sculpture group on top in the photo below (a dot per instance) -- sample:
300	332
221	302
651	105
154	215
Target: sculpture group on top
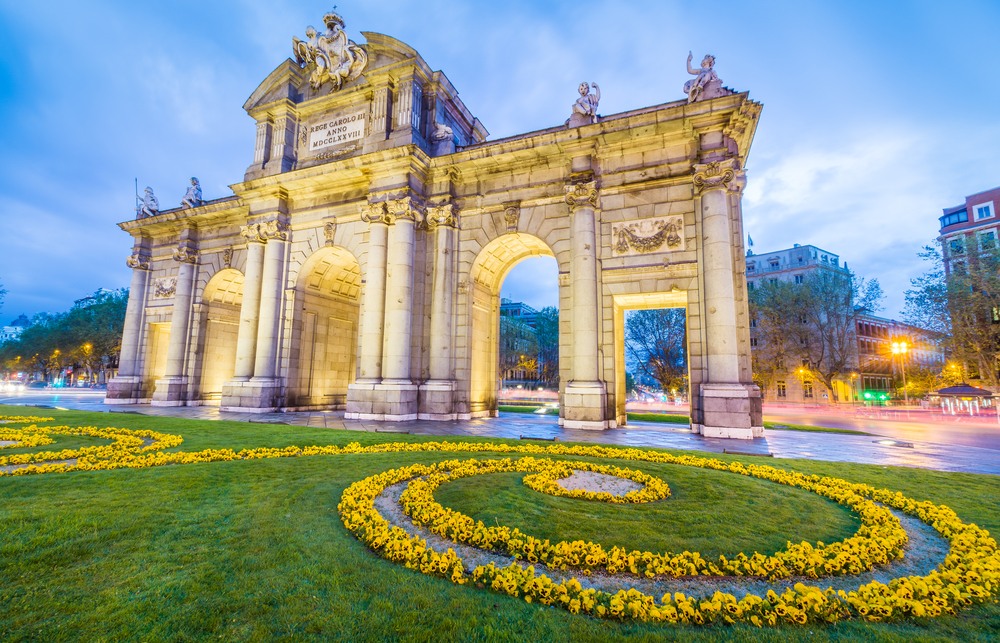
585	107
337	59
707	84
148	205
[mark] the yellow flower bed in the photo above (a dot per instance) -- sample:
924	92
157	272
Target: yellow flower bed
546	481
970	574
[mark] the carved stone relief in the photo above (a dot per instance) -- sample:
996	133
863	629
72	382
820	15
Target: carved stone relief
512	215
662	234
329	230
227	257
165	287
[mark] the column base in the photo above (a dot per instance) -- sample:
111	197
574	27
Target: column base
124	389
387	401
251	396
170	391
584	405
436	400
730	411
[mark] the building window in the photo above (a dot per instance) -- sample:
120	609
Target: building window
782	391
807	389
799	279
751	267
983	210
749	285
773	264
773	281
956	247
803	319
987	240
952	218
753	323
753	342
995	316
958	267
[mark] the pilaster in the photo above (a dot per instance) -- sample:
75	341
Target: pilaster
126	386
171	389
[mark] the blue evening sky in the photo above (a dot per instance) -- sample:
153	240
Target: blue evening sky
876	114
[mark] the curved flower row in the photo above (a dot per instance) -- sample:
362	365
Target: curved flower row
969	575
879	540
546	481
20	439
22	419
126	443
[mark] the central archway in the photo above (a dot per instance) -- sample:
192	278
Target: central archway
488	272
323	358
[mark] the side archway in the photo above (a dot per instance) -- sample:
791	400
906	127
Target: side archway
327	310
220	319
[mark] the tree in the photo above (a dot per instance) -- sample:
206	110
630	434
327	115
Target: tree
777	340
547	333
657	341
86	336
964	306
810	326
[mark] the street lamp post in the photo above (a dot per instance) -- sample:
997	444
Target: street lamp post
900	348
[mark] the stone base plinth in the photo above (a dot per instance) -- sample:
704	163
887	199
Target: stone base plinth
251	396
170	391
730	411
437	400
124	390
584	406
388	401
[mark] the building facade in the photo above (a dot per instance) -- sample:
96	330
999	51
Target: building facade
359	263
971	225
875	369
14	330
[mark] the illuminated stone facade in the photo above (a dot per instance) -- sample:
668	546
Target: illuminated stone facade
359	264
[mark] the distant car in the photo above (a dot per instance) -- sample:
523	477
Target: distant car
37	384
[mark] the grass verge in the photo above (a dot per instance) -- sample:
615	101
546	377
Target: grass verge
255	550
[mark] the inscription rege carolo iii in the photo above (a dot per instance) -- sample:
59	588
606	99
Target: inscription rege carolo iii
661	234
337	131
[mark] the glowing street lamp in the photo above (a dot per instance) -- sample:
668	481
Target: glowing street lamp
900	348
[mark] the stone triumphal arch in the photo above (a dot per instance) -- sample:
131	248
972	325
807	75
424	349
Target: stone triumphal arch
358	265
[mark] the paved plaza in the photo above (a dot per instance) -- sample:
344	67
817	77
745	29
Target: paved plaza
835	447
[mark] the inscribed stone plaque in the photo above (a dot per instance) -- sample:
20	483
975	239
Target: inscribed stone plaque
337	131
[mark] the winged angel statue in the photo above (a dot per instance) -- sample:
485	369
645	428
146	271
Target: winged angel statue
337	59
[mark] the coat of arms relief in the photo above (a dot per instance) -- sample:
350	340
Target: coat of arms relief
337	59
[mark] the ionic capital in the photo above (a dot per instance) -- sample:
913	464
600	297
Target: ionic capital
375	213
581	195
717	175
252	233
442	215
138	260
274	230
404	209
184	254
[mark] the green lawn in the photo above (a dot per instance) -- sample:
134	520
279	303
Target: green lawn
254	550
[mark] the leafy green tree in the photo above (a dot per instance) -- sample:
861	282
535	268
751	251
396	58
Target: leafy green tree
963	305
85	336
810	326
547	333
657	341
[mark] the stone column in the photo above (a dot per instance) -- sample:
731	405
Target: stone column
171	389
399	293
126	386
271	290
437	395
246	341
585	398
726	403
377	217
